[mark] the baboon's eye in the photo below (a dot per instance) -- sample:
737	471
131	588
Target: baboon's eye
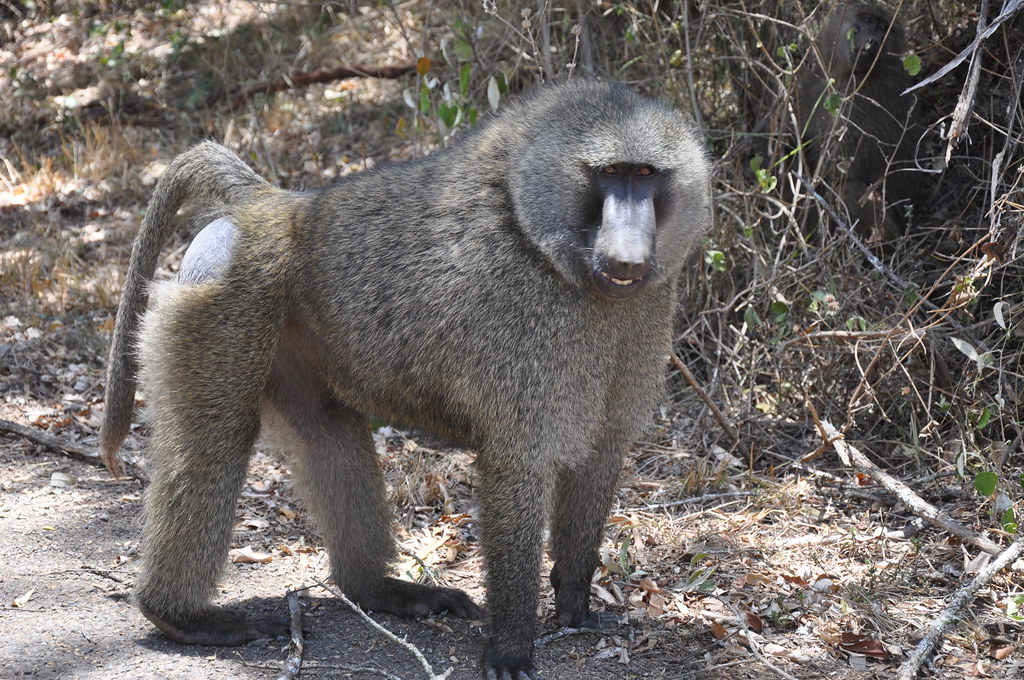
646	171
610	170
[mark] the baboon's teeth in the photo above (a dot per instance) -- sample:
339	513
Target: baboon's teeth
619	282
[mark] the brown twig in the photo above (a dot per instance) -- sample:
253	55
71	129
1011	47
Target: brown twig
719	417
912	666
305	78
852	456
296	646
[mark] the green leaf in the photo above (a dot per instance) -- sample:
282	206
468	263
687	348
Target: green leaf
1008	520
463	50
985	483
817	299
751	318
912	64
856	323
780	309
767	181
424	99
447	114
464	79
715	258
984	418
832	103
1015	608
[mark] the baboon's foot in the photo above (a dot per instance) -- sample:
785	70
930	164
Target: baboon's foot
572	604
216	627
498	665
413	599
572	608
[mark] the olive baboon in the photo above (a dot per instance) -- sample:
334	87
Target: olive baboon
871	140
513	293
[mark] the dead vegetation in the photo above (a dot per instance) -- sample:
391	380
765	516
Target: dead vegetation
774	544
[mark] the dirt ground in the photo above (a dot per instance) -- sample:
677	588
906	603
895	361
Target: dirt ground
70	552
69	559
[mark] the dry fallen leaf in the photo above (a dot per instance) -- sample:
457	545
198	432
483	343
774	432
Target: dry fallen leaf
604	595
247	554
999	649
865	645
757	579
23	600
656	606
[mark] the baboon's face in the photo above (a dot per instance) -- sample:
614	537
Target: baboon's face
611	188
865	35
622	258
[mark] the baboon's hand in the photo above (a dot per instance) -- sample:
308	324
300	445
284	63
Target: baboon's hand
414	599
217	627
499	666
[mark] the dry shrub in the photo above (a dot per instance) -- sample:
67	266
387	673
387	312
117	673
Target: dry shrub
915	354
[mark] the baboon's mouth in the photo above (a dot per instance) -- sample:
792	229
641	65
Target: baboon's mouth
620	282
614	288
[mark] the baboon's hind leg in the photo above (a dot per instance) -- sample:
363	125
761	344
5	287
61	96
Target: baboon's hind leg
206	355
341	480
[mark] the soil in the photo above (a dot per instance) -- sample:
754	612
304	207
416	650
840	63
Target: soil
70	556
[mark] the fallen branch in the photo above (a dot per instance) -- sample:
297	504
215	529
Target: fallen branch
912	666
960	119
303	79
82	453
60	446
719	417
387	633
852	456
293	664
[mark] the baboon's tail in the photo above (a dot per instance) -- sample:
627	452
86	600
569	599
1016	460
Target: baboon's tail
206	175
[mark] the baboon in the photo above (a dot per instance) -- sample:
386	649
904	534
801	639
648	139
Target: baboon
513	293
872	139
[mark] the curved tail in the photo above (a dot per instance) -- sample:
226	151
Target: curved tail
206	175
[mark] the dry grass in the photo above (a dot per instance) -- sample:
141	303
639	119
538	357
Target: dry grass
917	359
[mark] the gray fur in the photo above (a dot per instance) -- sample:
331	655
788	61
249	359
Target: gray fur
467	294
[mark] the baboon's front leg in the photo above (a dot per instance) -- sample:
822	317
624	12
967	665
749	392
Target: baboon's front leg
514	494
583	496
